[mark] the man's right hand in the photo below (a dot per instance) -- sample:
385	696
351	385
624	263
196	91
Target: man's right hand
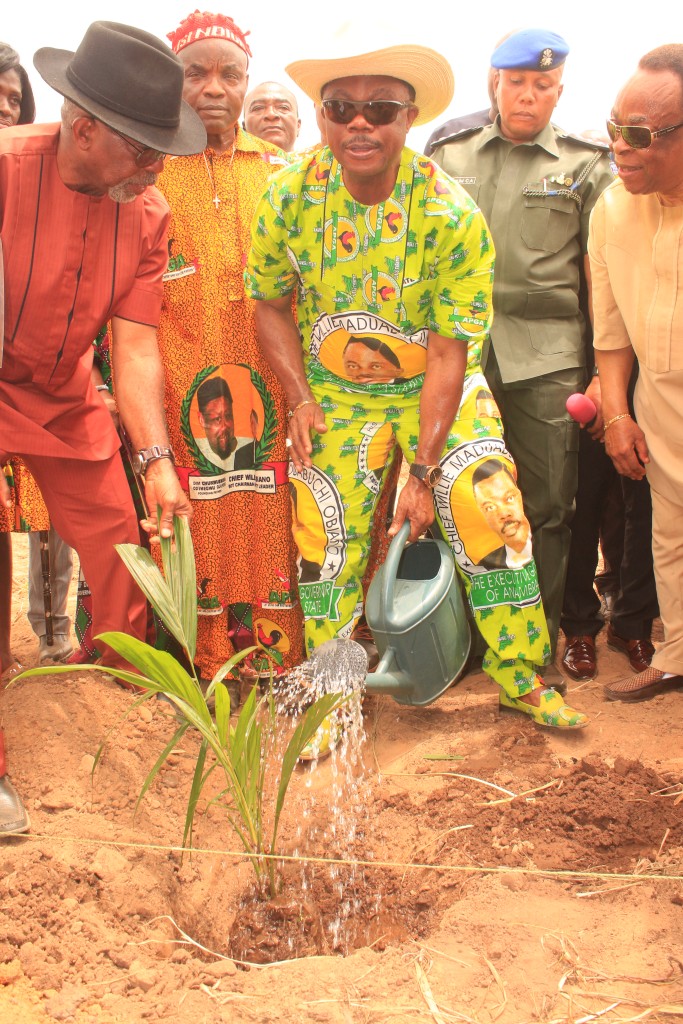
305	421
415	503
626	446
163	490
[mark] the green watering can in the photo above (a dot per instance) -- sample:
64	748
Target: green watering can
417	616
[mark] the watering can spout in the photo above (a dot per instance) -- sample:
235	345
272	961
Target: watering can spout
388	677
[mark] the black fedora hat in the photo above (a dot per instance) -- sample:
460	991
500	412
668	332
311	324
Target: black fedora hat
131	81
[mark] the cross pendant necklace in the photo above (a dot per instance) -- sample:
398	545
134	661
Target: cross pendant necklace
209	170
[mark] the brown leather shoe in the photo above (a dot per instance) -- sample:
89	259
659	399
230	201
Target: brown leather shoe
579	659
643	686
638	652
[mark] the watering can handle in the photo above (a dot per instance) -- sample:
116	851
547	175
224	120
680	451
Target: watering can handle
391	567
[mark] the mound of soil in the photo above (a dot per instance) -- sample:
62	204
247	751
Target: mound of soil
439	885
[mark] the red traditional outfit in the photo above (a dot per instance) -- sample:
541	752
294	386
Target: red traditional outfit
71	263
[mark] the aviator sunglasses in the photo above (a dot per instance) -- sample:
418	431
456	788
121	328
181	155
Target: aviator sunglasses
637	136
375	112
144	156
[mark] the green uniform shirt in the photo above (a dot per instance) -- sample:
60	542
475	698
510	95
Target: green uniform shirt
380	276
537	198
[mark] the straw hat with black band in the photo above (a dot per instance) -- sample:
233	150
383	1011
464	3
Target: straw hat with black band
129	80
424	69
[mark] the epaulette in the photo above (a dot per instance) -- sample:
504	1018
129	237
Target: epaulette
589	143
464	133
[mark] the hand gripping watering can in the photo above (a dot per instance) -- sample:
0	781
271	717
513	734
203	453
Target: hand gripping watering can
416	613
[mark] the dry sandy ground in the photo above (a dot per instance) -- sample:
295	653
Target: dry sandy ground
511	914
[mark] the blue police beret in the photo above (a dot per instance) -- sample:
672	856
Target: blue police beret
533	49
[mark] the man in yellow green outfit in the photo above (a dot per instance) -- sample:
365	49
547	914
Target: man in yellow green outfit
392	264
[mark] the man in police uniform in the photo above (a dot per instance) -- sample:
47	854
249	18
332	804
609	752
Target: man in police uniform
536	186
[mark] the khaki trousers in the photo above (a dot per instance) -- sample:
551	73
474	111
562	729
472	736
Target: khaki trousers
667	550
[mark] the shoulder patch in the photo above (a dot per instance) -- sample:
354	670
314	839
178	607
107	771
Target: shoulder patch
582	141
464	133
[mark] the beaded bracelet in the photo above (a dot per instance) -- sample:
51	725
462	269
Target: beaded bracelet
306	401
615	419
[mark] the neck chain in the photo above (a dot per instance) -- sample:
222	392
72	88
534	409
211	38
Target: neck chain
209	170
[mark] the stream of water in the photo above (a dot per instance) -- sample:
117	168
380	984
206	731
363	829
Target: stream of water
338	666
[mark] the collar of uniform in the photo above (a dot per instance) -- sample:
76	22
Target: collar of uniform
545	139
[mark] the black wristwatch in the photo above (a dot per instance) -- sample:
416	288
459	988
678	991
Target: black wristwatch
429	475
145	456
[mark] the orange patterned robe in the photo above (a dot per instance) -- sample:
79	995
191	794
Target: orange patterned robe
231	455
27	511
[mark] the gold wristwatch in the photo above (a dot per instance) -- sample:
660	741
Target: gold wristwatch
429	475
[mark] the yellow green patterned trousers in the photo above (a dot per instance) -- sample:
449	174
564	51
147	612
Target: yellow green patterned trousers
478	509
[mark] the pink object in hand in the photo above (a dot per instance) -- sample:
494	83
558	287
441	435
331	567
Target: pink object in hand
581	408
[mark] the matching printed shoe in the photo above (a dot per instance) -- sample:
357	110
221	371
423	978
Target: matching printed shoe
552	713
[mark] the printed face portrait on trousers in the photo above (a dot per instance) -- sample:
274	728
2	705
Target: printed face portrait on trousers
500	502
486	405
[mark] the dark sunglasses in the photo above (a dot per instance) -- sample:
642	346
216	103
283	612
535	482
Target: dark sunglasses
375	112
144	156
637	136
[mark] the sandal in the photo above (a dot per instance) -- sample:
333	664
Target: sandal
552	713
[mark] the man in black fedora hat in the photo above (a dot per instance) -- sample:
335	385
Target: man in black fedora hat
84	242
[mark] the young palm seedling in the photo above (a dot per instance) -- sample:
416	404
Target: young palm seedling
243	752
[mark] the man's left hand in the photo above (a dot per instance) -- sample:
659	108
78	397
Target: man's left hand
162	489
415	503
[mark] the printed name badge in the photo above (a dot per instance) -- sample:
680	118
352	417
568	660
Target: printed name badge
179	267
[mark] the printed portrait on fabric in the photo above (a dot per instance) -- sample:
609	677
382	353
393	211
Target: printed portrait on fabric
228	419
364	349
492	542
